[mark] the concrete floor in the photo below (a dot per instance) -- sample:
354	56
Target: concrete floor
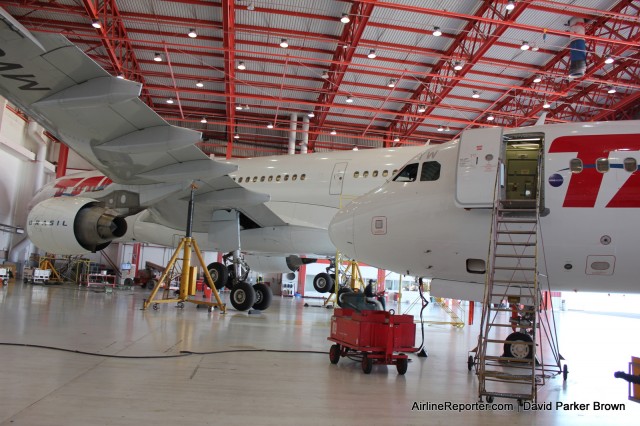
50	387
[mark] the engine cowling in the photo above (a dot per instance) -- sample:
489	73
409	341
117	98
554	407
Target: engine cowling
73	225
276	264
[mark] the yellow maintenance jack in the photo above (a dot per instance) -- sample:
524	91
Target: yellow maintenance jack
188	274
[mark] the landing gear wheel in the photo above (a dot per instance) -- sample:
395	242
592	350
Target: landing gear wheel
401	365
263	296
242	296
367	364
155	306
219	274
522	350
341	292
323	282
470	362
334	354
565	372
489	399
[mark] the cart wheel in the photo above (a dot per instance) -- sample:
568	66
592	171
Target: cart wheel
155	306
210	308
5	282
401	365
367	364
470	362
565	372
334	354
489	399
181	305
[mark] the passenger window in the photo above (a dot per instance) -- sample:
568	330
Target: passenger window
602	165
294	177
270	178
303	176
262	179
394	172
630	164
575	165
374	173
247	179
286	177
365	173
239	180
278	178
408	174
255	178
430	171
234	178
356	174
385	173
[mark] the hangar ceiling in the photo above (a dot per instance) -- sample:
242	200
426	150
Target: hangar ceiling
398	72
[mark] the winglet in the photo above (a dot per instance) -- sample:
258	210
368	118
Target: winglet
18	28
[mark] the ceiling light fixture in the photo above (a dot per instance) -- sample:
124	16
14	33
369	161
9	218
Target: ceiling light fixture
204	120
349	100
535	47
457	66
546	105
120	76
475	95
236	136
333	132
422	108
251	6
396	139
241	66
372	54
490	118
436	32
537	79
270	126
96	24
311	114
283	43
355	147
609	60
238	107
441	129
192	33
345	18
611	90
169	101
199	84
510	5
325	74
525	46
447	129
246	107
392	82
157	57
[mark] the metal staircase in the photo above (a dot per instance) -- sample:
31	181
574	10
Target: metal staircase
514	329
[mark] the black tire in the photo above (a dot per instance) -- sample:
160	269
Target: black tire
367	364
323	282
151	284
489	399
470	362
401	365
341	292
263	296
565	372
334	354
231	277
242	296
219	274
518	350
128	282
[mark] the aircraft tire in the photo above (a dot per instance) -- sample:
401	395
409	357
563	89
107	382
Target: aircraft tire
516	350
242	296
219	274
323	282
263	296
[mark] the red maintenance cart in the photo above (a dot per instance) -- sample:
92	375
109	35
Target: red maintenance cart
372	337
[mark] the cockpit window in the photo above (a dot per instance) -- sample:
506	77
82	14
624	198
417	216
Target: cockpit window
408	174
430	171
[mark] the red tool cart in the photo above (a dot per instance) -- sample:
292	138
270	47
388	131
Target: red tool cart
372	337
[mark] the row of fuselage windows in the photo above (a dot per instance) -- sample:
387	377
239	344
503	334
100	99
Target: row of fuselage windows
629	164
286	177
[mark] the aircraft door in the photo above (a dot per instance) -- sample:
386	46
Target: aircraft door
337	178
478	160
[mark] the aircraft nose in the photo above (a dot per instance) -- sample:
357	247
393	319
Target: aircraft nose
341	232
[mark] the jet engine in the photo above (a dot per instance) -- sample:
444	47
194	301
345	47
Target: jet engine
276	264
73	225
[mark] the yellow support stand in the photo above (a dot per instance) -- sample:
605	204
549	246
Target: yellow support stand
187	279
46	263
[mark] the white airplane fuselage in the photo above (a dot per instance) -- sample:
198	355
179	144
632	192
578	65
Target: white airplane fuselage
588	227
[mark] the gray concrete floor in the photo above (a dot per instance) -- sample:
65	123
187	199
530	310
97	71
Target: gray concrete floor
50	387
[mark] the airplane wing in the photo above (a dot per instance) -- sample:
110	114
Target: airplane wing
97	115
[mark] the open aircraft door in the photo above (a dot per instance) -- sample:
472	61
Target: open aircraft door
478	160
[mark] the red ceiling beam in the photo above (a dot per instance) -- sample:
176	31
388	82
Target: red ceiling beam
228	21
351	35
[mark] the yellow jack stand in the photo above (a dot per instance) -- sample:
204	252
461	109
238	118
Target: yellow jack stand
187	279
188	274
46	263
